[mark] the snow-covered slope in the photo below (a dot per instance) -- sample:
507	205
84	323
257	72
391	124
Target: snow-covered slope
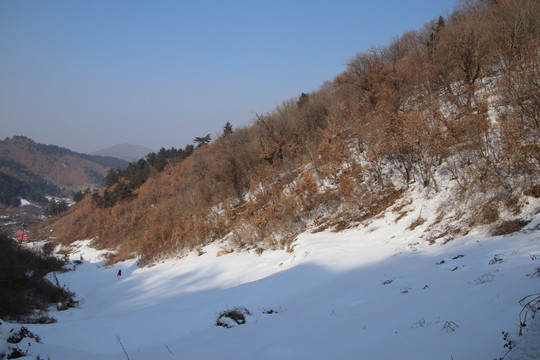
375	292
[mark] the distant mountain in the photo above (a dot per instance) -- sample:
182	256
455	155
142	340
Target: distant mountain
32	170
126	152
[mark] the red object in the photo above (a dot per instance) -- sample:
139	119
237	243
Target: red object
119	273
21	235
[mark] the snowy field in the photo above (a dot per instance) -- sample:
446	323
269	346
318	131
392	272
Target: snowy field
373	292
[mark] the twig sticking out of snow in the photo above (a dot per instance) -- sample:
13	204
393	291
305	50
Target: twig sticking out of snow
450	326
495	260
531	305
122	345
536	273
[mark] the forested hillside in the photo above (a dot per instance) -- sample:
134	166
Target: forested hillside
32	170
452	107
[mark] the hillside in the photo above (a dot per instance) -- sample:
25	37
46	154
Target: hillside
49	169
451	108
371	292
126	152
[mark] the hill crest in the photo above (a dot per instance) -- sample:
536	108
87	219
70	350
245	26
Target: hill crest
68	170
128	152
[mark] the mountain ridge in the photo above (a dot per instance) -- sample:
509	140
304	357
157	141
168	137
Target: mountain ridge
128	152
23	159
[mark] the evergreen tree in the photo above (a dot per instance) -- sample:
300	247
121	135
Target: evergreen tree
112	177
202	140
302	100
151	158
78	196
188	150
161	160
227	129
440	24
56	207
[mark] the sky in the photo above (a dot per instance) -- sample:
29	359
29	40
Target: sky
89	74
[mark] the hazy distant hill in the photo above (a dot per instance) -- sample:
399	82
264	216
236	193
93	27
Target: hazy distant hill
29	169
127	152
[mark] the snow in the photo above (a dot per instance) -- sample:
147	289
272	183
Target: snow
25	202
378	291
529	347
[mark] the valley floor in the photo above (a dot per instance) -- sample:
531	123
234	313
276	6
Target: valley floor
373	292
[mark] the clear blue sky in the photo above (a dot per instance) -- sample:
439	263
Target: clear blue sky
88	74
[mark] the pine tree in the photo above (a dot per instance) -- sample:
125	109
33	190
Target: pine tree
202	140
227	129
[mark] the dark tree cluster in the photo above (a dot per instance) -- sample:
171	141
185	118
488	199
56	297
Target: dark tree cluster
22	283
56	208
120	183
79	195
13	188
121	191
168	156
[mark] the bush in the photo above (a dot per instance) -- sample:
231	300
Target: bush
23	333
232	317
534	191
419	221
509	227
15	338
22	283
490	214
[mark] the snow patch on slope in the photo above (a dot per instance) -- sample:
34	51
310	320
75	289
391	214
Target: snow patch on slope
375	291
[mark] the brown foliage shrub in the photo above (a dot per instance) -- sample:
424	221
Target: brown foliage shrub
509	227
419	221
489	214
533	191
